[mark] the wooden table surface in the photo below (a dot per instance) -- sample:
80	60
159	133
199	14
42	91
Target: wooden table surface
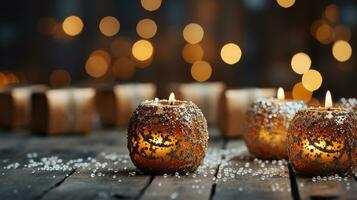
97	166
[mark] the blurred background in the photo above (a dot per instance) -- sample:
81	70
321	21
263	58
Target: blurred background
304	46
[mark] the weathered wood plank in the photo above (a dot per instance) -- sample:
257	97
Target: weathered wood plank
10	139
196	185
323	188
240	176
111	175
25	183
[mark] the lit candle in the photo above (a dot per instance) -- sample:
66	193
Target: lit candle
167	136
322	140
268	120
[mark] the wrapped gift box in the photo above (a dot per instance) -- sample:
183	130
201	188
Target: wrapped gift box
116	104
15	105
234	104
205	95
63	111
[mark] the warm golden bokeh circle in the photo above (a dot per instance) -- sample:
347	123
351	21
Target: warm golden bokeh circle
331	13
300	63
60	78
201	71
72	25
109	26
301	93
312	80
193	33
324	33
146	28
286	3
231	53
102	53
341	50
192	53
151	5
96	66
142	50
124	68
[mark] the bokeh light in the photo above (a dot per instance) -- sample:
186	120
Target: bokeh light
192	53
72	25
11	78
120	47
342	50
146	28
314	102
60	78
286	3
231	53
201	71
142	50
102	53
96	66
331	13
7	78
109	26
300	63
151	5
3	79
314	26
324	33
301	93
193	33
124	68
312	80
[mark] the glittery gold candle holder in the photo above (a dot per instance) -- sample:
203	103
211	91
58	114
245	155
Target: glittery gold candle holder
351	105
322	141
167	136
267	126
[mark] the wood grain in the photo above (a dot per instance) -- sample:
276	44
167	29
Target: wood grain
331	189
249	186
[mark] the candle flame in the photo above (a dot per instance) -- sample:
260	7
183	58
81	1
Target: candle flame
328	100
281	94
172	98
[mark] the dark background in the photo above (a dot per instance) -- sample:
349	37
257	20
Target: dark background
268	35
